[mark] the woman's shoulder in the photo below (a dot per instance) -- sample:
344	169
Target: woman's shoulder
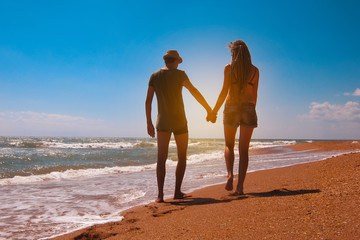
255	68
227	69
255	74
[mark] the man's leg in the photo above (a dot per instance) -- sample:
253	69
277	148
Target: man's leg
181	144
229	134
163	139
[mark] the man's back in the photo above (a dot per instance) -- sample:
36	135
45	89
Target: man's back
168	84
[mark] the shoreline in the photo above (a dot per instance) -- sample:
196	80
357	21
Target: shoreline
310	185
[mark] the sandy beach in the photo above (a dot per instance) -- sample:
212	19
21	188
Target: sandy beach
318	200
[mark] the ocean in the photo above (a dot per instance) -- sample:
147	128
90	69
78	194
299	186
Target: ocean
51	186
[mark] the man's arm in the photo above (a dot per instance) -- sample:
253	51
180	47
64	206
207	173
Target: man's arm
148	103
197	95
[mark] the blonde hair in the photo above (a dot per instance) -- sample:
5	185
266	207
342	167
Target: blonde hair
240	64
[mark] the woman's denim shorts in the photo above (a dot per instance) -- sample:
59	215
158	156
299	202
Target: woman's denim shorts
243	114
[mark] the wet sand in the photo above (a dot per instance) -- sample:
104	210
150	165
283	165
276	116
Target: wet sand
319	200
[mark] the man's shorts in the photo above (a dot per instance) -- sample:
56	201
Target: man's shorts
243	115
176	130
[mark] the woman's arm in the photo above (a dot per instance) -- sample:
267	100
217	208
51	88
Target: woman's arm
148	102
224	90
197	95
256	84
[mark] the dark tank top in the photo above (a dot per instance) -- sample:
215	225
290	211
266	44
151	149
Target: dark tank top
168	84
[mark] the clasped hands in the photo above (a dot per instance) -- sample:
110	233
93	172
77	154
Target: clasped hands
211	116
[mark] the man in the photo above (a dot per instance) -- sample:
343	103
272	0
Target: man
167	83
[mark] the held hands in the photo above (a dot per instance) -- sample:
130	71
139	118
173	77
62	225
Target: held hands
211	117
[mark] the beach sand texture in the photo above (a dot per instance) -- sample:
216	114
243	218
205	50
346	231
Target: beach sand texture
318	200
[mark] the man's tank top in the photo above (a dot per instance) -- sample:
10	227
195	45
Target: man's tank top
168	85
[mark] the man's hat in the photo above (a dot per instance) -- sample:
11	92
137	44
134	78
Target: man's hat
173	54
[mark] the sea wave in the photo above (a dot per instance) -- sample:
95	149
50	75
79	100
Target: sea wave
204	157
129	196
93	172
106	145
82	145
72	174
122	143
276	143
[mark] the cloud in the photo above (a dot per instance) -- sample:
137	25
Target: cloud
28	117
356	93
48	124
350	111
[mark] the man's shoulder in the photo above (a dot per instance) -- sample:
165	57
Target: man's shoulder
156	73
179	70
181	73
163	73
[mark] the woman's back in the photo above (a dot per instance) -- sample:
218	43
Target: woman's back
249	95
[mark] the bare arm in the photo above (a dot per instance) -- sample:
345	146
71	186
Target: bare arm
197	95
148	102
224	90
256	84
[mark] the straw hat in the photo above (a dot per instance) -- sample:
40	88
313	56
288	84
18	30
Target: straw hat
173	54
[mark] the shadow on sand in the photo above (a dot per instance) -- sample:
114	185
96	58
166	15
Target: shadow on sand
283	192
200	201
228	198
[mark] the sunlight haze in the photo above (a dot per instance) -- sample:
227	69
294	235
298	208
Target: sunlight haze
81	68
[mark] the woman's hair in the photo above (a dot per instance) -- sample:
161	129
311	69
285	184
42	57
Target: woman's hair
240	64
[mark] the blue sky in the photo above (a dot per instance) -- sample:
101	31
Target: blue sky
81	68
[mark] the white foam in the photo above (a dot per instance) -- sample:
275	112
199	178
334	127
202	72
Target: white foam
106	145
192	144
72	174
96	144
130	196
210	175
93	172
204	157
278	143
54	208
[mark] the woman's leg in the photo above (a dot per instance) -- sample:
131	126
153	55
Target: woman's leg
244	142
182	145
230	134
163	139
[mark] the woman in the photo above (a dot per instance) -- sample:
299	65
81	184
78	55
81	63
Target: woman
240	86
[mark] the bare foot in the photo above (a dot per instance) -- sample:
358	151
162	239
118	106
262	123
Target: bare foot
229	184
181	195
159	200
238	193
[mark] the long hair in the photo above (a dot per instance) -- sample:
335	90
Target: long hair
240	64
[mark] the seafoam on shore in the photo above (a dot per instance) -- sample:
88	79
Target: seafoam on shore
63	184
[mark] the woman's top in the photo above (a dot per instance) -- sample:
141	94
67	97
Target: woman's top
249	95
